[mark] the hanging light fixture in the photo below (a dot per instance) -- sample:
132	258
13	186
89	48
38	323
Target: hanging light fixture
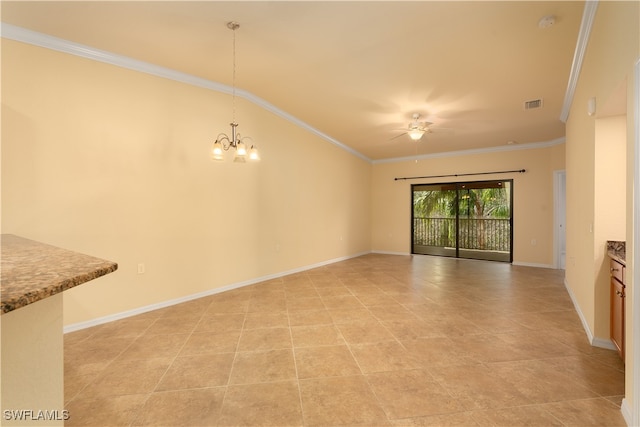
224	142
417	128
416	133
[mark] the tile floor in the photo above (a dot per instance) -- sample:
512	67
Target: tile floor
373	341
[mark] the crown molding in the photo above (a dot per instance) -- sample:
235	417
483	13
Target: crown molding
581	47
23	35
515	147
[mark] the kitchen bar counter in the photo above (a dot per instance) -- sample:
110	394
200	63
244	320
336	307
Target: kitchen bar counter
33	277
32	271
617	251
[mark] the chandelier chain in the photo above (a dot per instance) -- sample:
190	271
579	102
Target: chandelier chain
233	78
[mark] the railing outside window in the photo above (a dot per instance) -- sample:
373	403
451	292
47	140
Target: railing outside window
484	233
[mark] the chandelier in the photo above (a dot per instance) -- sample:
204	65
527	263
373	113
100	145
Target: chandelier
225	142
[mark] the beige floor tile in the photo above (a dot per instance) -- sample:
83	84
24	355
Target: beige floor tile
406	394
591	373
74	367
493	323
148	346
411	329
333	291
537	345
299	290
541	382
211	342
129	327
94	352
305	336
478	387
339	401
459	419
372	341
305	304
391	312
589	412
279	319
269	404
119	378
189	308
72	338
112	411
220	322
200	407
265	339
534	416
375	299
173	325
342	302
383	356
449	322
232	306
350	315
365	332
325	361
199	371
488	348
438	351
310	318
75	384
263	366
267	304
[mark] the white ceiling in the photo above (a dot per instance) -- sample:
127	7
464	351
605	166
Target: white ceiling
355	71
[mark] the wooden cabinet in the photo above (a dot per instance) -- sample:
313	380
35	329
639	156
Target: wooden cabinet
617	305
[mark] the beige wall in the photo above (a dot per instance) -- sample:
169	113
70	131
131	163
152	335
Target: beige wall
612	51
115	163
533	197
609	208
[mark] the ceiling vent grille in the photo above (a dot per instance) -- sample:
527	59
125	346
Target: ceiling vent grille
533	104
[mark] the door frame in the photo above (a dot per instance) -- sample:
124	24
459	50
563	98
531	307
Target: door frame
458	185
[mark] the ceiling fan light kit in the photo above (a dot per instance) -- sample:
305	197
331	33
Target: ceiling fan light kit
417	129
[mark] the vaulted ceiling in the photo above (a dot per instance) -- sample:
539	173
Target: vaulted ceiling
355	71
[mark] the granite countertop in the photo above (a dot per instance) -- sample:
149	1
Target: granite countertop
617	250
31	271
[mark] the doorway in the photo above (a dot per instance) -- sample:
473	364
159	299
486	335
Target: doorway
464	220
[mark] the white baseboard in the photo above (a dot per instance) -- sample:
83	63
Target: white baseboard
124	314
593	340
626	412
531	264
390	253
585	325
603	343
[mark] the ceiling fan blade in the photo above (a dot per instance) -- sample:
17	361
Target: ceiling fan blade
398	136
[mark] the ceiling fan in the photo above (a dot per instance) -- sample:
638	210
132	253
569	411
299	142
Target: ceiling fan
416	128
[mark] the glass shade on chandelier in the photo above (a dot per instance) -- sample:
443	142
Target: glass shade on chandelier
236	143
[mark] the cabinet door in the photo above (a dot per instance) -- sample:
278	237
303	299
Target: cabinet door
617	315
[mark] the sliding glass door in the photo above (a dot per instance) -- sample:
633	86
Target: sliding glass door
464	220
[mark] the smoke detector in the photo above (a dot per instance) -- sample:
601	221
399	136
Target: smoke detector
546	21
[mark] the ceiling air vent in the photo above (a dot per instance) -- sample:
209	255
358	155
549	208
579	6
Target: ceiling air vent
533	104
